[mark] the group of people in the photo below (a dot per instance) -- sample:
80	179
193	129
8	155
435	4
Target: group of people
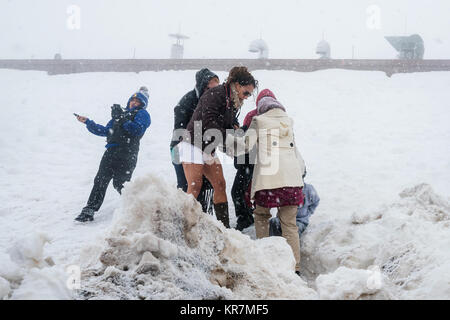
269	167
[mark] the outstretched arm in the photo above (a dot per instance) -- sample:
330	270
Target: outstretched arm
98	129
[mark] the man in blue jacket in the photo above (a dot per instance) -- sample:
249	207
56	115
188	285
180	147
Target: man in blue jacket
123	133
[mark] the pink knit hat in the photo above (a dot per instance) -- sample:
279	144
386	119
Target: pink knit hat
265	93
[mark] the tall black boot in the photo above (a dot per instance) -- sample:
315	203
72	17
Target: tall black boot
244	222
206	196
221	210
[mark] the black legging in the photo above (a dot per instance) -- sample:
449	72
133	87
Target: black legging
242	180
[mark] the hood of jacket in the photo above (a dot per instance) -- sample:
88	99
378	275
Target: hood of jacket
268	103
202	79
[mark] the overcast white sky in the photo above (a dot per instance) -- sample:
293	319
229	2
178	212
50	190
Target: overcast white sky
218	28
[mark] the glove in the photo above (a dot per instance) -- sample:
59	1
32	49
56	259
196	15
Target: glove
175	155
228	151
116	112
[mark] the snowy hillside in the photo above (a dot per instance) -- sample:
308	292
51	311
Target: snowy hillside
376	149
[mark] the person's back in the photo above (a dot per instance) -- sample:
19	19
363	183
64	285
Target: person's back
182	113
279	164
244	165
277	177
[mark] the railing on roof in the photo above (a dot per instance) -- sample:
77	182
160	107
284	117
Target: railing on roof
68	66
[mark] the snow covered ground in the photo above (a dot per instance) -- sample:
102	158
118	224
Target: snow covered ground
376	148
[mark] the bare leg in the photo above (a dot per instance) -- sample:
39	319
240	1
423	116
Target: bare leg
194	177
214	173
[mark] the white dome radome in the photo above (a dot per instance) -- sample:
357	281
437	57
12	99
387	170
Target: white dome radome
323	49
259	46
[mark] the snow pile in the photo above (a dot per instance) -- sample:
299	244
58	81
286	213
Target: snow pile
5	288
161	246
404	246
26	275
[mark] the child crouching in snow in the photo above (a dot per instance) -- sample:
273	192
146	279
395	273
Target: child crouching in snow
304	211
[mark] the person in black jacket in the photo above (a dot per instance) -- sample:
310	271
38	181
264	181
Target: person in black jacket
205	79
240	191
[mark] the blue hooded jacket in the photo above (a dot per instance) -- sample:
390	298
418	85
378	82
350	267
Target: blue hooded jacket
303	213
137	127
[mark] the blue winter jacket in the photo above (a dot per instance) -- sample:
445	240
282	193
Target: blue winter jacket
137	127
303	213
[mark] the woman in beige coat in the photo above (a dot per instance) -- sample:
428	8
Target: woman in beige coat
277	178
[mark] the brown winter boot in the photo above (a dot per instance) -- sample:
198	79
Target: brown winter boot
221	210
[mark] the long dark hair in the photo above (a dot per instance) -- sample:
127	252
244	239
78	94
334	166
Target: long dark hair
242	76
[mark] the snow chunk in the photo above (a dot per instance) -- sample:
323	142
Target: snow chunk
426	204
346	283
148	264
5	288
160	249
43	284
9	270
26	274
29	251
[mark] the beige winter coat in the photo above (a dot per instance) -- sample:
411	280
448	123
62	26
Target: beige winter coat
278	162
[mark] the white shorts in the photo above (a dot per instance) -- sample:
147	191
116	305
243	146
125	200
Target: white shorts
191	154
